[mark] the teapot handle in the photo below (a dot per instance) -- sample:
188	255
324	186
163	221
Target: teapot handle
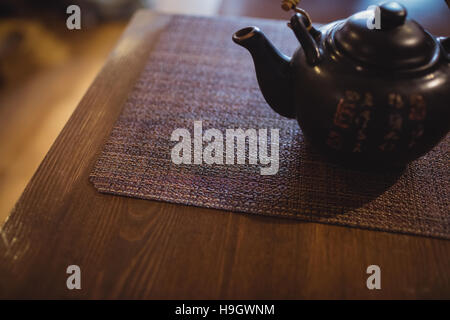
445	44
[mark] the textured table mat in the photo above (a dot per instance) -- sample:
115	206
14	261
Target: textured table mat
195	72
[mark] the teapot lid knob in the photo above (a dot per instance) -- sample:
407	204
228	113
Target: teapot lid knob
385	37
392	14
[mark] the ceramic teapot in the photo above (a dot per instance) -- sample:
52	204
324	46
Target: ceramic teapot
363	94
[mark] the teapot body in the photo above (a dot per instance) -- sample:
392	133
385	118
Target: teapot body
369	117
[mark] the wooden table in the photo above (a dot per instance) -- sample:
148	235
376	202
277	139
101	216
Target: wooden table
130	248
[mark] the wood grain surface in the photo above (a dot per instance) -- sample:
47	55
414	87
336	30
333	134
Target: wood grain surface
130	248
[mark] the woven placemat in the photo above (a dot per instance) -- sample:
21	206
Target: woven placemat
195	72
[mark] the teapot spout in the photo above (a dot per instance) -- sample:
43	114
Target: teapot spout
273	70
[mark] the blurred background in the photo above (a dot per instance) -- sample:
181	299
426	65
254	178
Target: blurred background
46	68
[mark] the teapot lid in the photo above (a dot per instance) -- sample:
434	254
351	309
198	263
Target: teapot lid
384	37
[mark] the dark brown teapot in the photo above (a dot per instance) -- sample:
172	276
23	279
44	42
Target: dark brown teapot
364	95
